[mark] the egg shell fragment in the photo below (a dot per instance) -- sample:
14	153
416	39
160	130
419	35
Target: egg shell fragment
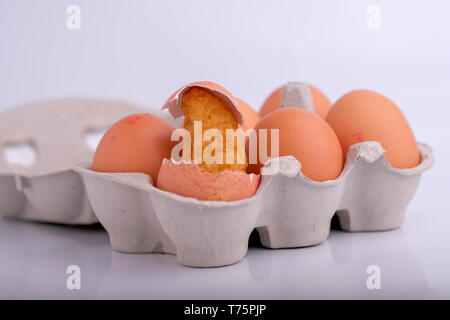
187	180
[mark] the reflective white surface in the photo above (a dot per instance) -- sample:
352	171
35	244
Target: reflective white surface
413	262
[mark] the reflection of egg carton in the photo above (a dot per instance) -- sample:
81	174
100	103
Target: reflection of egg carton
288	210
50	190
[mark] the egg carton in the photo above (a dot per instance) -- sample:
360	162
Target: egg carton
288	210
49	190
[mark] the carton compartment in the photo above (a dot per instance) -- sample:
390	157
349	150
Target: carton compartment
376	194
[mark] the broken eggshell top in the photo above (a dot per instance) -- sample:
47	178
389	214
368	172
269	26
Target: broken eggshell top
175	100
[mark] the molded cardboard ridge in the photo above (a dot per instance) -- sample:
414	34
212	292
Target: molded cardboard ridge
297	94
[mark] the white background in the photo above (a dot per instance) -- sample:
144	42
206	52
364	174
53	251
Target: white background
141	51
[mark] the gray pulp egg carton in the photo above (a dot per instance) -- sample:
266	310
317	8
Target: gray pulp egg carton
49	190
288	210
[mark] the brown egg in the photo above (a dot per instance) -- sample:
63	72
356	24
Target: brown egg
251	117
272	102
137	143
321	103
363	115
307	137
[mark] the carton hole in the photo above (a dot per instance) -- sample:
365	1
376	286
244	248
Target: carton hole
341	217
21	154
254	240
92	138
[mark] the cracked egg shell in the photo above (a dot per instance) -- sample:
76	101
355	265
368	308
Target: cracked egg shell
186	179
175	100
321	102
136	143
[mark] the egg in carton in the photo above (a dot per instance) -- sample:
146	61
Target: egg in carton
288	209
56	130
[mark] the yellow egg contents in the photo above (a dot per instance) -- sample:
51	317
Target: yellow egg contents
200	105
